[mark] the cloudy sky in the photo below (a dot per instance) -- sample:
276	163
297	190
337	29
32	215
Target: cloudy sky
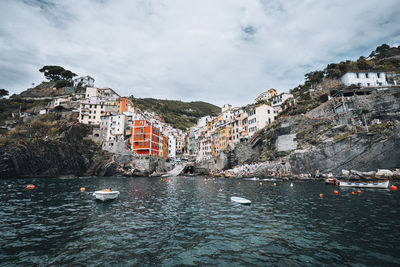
220	51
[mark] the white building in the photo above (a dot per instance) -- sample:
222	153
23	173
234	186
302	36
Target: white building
84	80
113	127
259	117
92	109
171	146
364	79
278	100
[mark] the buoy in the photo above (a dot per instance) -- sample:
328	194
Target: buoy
239	183
260	183
291	184
321	195
393	187
353	193
359	191
205	182
336	192
30	186
83	189
274	184
9	186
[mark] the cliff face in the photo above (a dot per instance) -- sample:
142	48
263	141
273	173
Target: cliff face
363	152
67	155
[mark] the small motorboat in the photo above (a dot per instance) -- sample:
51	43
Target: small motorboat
106	194
384	184
241	200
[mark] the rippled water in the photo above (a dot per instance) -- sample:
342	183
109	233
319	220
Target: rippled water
191	221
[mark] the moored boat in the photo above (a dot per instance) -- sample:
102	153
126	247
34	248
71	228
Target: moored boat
241	200
384	184
106	194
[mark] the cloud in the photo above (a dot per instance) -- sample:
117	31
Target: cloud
218	51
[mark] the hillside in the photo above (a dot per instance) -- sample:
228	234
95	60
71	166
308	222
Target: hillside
179	114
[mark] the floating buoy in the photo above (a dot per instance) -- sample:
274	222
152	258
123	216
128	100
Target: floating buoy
260	183
9	186
393	187
291	184
205	182
359	191
274	184
30	186
353	193
83	189
321	195
239	183
336	192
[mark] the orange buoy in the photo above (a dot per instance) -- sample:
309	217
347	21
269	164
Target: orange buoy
393	187
83	189
359	191
260	183
336	192
239	183
205	182
30	186
321	195
274	184
353	193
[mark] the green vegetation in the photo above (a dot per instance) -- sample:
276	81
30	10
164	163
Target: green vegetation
341	137
3	92
15	105
57	73
179	114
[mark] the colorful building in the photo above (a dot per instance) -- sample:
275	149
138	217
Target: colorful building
122	104
145	138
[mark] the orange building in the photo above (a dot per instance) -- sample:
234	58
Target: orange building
165	147
122	104
145	138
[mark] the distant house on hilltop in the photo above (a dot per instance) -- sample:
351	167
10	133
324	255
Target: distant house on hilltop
266	95
364	79
84	80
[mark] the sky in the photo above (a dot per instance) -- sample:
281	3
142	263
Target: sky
218	51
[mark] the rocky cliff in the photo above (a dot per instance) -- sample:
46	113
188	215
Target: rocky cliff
68	155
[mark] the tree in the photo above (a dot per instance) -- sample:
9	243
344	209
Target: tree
3	92
56	73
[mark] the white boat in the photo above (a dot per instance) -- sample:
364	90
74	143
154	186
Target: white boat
106	194
241	200
384	184
252	179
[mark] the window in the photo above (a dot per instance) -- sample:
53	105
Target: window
358	75
378	75
269	112
366	75
145	143
141	130
90	117
94	117
137	136
141	122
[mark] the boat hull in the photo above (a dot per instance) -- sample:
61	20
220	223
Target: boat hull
241	200
365	184
105	196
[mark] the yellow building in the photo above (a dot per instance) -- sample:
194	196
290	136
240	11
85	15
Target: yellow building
224	137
